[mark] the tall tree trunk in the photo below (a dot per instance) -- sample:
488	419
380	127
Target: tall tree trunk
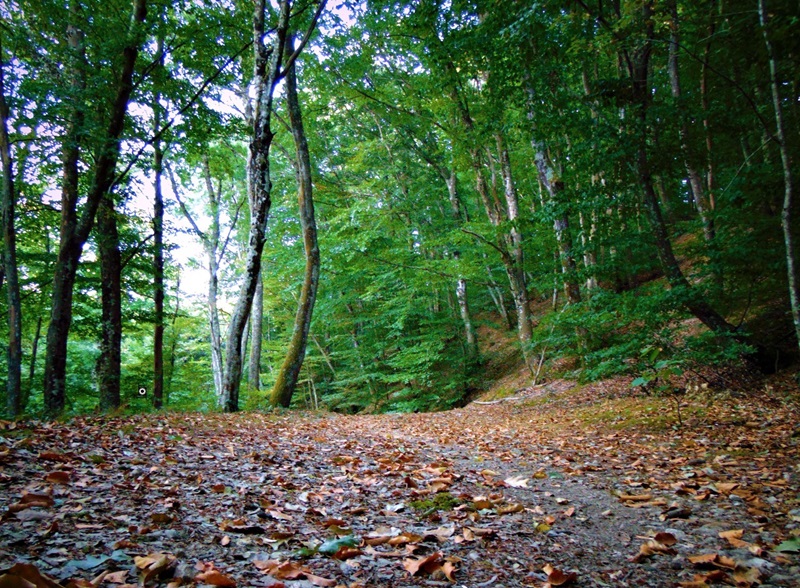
695	181
640	81
7	208
210	240
286	381
470	336
267	73
158	277
256	335
108	364
158	246
74	231
787	212
553	185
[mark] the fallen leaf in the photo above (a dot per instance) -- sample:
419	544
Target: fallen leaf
116	577
516	482
58	477
556	577
425	564
216	578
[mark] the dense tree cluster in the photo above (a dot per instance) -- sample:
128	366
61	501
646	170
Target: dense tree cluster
590	173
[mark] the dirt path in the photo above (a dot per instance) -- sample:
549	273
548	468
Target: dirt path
488	495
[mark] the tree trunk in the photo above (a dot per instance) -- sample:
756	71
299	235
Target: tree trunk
267	69
461	285
695	181
286	381
210	241
158	247
553	186
640	71
7	209
75	231
108	364
787	212
158	276
256	332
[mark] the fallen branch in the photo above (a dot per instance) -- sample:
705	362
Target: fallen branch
497	401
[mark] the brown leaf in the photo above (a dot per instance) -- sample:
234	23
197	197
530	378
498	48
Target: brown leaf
635	497
52	456
216	578
652	547
25	575
116	577
347	553
733	534
744	576
58	477
405	538
556	577
510	508
704	559
320	581
426	564
667	539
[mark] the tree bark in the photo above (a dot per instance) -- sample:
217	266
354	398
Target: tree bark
787	212
75	231
470	336
286	380
108	364
158	272
256	332
7	209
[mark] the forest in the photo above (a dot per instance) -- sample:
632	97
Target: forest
382	293
228	205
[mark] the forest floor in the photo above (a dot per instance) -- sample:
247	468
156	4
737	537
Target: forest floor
557	485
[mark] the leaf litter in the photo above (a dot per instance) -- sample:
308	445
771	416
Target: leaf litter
511	494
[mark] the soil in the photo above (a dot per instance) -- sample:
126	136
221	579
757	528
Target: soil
556	485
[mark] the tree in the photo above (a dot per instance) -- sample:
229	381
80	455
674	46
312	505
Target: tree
75	228
269	68
286	380
10	269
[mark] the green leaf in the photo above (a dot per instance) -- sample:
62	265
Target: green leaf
790	545
334	545
640	381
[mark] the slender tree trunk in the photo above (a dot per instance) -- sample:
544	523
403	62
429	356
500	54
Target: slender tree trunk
158	248
256	332
787	212
32	366
267	69
267	73
210	240
286	381
588	238
75	231
640	66
108	364
695	181
7	208
470	336
158	279
553	186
